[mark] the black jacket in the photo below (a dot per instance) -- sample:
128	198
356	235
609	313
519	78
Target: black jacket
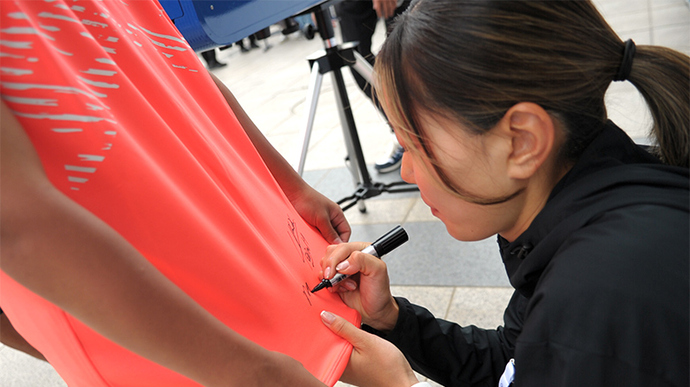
601	278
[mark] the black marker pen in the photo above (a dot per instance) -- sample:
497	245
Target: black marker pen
382	246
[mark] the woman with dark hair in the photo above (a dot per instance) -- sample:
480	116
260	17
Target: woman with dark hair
500	108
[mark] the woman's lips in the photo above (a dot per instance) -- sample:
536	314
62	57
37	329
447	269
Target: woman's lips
434	211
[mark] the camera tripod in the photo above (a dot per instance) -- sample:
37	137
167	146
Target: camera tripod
331	60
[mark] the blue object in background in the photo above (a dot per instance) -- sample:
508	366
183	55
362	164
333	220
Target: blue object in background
206	24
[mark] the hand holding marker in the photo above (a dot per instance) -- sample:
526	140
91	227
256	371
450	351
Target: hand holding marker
382	246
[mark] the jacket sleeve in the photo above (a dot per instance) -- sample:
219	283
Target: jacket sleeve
453	355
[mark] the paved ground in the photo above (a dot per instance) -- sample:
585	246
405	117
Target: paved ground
464	282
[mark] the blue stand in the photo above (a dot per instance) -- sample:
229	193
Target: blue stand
211	23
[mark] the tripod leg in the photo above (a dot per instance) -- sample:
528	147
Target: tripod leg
312	100
353	165
363	67
358	167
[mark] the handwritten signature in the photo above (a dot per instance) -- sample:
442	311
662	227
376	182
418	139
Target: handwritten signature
307	292
300	242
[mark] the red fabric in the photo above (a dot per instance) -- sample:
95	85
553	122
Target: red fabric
128	123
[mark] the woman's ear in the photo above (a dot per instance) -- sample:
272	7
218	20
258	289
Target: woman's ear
532	134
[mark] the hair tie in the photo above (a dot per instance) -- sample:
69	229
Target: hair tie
626	62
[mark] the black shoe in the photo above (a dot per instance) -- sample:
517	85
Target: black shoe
393	161
216	65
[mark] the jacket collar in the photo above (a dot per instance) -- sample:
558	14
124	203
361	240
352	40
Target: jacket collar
610	161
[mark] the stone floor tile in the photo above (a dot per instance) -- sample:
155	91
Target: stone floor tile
481	306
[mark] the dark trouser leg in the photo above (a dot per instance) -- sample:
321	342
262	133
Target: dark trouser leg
209	56
357	24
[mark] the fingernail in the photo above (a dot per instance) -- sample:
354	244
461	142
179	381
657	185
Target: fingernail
350	285
327	273
342	266
327	317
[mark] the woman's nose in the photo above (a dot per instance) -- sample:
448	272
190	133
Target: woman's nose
406	171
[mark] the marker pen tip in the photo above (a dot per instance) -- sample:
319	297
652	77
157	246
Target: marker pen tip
321	285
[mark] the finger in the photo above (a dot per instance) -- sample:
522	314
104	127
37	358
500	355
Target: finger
336	254
335	229
359	262
384	8
343	328
379	13
390	9
329	233
349	284
341	225
344	286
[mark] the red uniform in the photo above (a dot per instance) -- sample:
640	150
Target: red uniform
128	123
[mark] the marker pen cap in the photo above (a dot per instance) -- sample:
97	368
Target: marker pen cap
390	241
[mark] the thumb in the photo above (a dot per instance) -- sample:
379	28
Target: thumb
374	361
338	226
329	233
344	329
332	227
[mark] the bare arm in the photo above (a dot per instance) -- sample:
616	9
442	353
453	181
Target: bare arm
315	208
11	338
62	252
384	8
